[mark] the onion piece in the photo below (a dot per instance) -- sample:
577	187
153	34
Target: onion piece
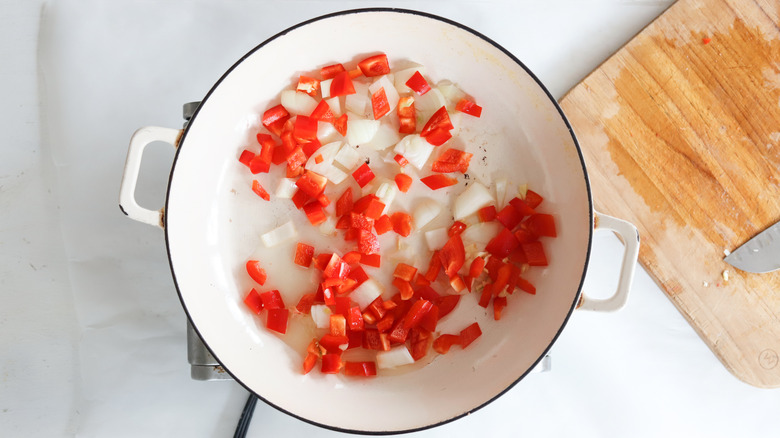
425	211
480	233
320	314
279	234
395	357
402	76
348	157
359	102
325	166
335	105
325	89
500	184
385	136
296	102
451	93
361	131
427	104
366	293
415	149
286	188
327	133
472	199
436	238
386	192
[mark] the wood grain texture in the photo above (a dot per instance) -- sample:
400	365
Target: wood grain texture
681	135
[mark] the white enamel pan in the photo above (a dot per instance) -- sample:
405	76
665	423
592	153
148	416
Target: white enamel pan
212	222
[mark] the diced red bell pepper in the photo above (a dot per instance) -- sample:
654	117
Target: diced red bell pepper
434	267
541	224
342	85
323	113
404	271
358	274
452	255
444	342
336	268
509	216
379	104
295	161
533	199
277	320
333	344
311	183
330	71
402	223
439	120
272	299
303	254
260	191
403	182
418	84
399	333
312	356
351	257
477	265
452	160
438	136
274	119
526	286
404	288
355	319
338	325
344	203
469	334
468	107
420	342
487	293
401	160
246	157
305	129
383	224
256	272
407	120
416	313
308	85
367	243
534	253
502	278
438	181
376	65
457	283
360	221
498	306
426	292
315	213
331	363
457	227
385	324
300	199
361	369
253	301
305	303
447	304
363	175
503	244
341	124
373	340
373	260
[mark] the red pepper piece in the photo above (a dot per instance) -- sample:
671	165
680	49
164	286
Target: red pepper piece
308	85
534	253
498	306
277	320
503	244
452	255
355	319
443	343
383	224
311	183
260	191
367	243
404	271
344	203
361	369
379	104
416	313
438	181
305	303
447	304
342	85
509	216
418	84
274	119
402	223
272	299
330	71
487	214
533	199
452	160
303	254
469	334
331	363
439	120
253	301
376	65
363	175
468	107
373	260
403	181
323	113
541	225
256	272
315	213
341	124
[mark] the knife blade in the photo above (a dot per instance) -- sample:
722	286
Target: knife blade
760	254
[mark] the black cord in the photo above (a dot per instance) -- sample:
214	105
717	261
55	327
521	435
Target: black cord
246	417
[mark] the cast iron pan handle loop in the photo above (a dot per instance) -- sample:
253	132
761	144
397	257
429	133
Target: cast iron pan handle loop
630	237
127	203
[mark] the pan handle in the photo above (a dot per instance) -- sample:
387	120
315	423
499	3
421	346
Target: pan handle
138	142
630	237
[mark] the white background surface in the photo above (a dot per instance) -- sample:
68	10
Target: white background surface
92	336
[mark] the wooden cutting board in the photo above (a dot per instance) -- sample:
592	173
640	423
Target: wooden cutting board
681	135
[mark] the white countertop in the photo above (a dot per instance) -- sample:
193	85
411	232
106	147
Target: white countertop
92	335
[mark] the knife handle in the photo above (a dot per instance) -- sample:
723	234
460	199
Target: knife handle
628	233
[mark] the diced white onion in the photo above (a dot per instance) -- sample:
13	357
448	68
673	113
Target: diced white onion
427	104
286	188
436	238
425	211
328	228
386	136
402	76
359	102
500	185
472	199
361	131
347	156
366	293
390	91
522	190
480	233
386	192
278	235
394	357
325	89
335	105
452	94
327	133
297	102
320	314
415	149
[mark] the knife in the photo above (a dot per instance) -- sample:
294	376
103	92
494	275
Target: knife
760	254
